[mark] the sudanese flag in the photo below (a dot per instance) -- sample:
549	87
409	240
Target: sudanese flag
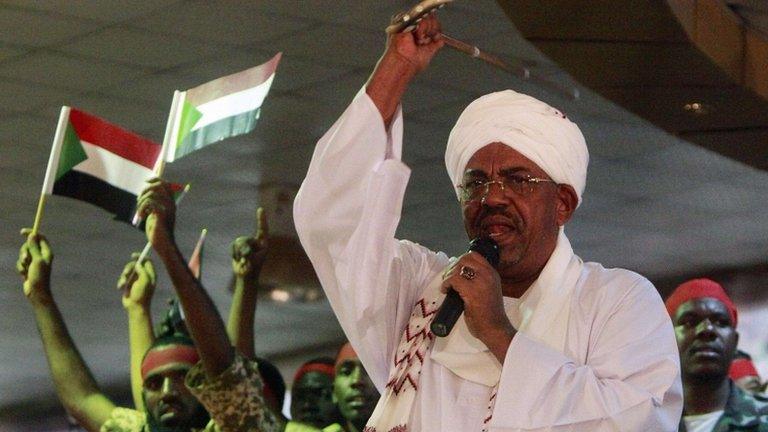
100	163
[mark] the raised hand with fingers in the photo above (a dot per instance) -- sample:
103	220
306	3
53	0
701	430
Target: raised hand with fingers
137	283
34	265
74	383
249	252
157	207
248	255
138	290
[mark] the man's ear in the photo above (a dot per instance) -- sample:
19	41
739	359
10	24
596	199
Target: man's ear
735	346
567	200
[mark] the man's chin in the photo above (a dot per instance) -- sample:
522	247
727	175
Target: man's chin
362	413
707	371
166	424
510	257
171	419
312	420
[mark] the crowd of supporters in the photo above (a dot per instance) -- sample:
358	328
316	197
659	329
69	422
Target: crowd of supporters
195	372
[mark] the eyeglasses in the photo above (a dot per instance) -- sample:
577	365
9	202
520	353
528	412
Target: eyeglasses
473	190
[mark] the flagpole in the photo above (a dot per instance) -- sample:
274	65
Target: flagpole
39	213
144	253
201	239
169	128
53	164
158	169
197	254
172	128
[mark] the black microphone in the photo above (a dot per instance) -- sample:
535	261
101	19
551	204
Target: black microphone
453	305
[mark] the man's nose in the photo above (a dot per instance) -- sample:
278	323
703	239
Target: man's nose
495	194
169	387
706	329
357	376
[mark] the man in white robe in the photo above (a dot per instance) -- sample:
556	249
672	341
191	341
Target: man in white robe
546	342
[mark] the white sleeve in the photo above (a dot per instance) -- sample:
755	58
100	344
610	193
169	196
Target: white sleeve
346	214
630	382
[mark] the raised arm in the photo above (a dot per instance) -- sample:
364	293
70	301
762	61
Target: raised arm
226	380
248	254
348	208
75	385
137	298
203	321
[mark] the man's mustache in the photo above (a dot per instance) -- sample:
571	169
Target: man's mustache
512	219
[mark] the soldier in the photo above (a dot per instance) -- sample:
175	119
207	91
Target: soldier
705	321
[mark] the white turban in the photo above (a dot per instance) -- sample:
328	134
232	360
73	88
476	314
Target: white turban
536	130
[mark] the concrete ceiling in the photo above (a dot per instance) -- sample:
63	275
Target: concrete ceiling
693	68
654	203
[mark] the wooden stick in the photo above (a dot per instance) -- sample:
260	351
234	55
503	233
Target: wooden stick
408	21
522	72
53	165
39	214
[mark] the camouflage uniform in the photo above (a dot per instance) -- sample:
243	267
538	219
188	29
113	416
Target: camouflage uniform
233	399
743	412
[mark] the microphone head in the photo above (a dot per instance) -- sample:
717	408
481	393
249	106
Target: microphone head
486	247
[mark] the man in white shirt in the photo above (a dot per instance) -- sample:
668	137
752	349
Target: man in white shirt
546	342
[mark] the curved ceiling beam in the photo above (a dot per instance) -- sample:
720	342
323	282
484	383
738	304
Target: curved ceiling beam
688	66
718	32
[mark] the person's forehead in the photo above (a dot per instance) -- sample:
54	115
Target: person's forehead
704	306
314	377
499	156
169	369
348	362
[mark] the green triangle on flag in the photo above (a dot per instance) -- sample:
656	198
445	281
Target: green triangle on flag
72	152
190	115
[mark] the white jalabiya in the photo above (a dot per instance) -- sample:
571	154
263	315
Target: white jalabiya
616	368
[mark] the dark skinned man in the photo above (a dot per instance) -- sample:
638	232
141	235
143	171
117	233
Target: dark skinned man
353	390
546	342
225	382
705	321
168	405
312	405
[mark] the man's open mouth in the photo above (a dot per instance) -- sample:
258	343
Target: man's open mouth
169	411
357	401
706	351
496	226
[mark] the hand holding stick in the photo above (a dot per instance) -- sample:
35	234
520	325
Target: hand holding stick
406	22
